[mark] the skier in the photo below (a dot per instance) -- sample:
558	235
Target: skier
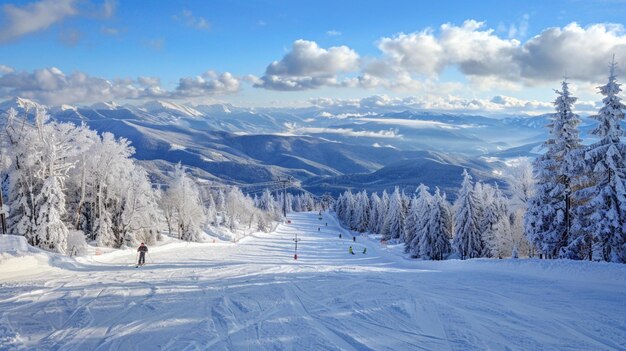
318	229
339	235
350	250
364	250
327	224
142	249
354	238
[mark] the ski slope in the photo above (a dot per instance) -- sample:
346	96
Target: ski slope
254	296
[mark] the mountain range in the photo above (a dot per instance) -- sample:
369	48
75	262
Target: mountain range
325	149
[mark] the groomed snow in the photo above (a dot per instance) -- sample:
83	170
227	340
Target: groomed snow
254	296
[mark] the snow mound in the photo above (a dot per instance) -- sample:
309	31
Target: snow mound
13	243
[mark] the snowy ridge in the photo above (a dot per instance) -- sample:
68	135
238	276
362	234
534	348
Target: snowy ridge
158	106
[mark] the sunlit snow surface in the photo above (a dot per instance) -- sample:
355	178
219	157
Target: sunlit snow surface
254	296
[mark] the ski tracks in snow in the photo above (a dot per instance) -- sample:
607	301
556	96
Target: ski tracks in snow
255	296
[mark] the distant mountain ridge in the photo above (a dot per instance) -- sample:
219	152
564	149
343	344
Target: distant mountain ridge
374	149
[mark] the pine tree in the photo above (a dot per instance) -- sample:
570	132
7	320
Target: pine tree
467	236
568	155
549	217
490	217
435	243
606	161
394	219
375	210
382	214
417	220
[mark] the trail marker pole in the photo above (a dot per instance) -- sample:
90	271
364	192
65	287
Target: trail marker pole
295	256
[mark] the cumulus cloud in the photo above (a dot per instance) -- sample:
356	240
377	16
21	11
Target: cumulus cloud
511	102
581	53
190	20
307	66
52	86
6	69
490	60
33	17
210	83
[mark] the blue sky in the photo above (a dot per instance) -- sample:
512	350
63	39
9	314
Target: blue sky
447	54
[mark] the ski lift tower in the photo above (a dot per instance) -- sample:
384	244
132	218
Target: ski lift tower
284	182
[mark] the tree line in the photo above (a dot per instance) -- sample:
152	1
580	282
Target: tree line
67	185
571	204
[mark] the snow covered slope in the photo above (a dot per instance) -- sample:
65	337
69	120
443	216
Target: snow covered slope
254	296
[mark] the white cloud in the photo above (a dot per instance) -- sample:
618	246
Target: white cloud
515	103
307	66
53	86
108	8
429	102
580	53
18	21
210	83
490	61
112	31
190	20
414	123
6	69
333	33
384	134
33	17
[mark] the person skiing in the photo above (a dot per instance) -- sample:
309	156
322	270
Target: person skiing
142	249
339	235
354	238
350	250
364	250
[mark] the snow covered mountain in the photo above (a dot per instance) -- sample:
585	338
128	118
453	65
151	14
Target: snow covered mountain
21	105
326	149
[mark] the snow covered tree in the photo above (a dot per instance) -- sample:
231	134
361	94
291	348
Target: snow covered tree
467	236
189	212
42	157
519	177
139	216
417	220
394	219
361	217
549	218
604	213
375	210
489	218
435	242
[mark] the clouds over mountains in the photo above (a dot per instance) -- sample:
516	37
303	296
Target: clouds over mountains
53	86
480	57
